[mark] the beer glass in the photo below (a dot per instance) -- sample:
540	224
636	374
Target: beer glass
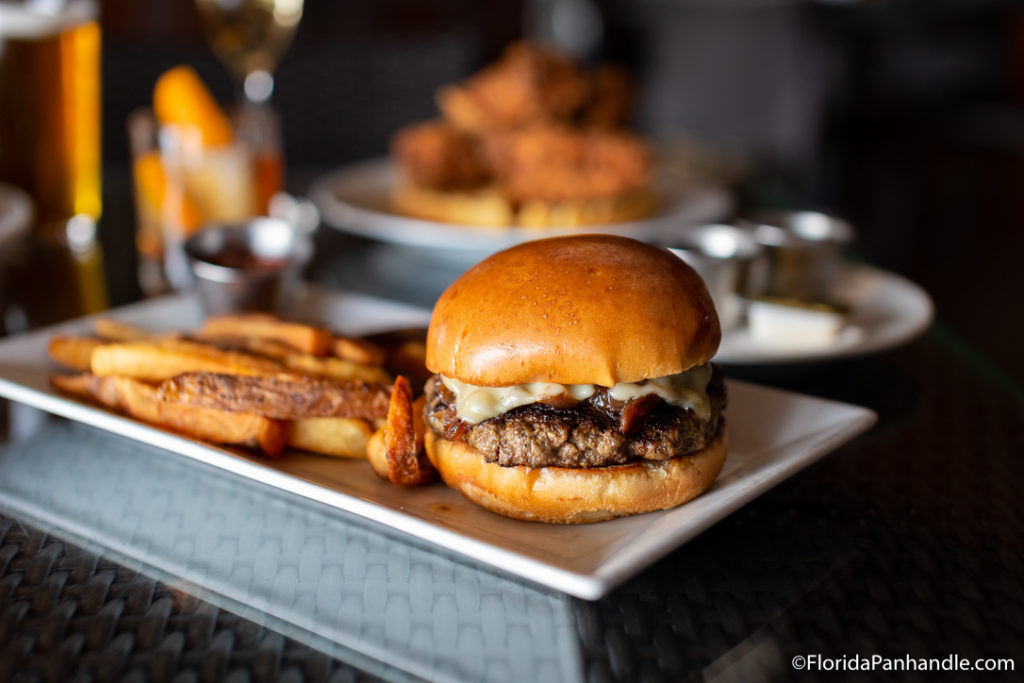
50	144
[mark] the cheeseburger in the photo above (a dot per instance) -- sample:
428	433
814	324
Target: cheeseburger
571	381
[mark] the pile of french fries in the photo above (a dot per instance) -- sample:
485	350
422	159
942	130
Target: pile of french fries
255	381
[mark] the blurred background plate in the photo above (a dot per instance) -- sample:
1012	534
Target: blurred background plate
886	310
356	199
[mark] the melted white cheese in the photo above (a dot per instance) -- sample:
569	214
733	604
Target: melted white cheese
475	404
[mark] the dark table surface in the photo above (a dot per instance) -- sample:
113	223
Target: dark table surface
908	542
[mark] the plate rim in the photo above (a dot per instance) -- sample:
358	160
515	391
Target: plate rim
358	220
924	316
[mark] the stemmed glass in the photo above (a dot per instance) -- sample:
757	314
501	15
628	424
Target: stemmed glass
249	37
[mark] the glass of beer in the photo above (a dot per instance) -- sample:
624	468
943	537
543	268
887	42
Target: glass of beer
50	143
183	184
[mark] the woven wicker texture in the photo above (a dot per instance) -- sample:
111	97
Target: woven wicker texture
909	541
66	614
309	572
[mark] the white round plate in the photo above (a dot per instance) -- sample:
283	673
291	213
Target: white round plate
886	310
355	199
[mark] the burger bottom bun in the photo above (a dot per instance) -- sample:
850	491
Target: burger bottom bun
560	495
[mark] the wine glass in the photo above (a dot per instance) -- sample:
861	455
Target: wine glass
249	37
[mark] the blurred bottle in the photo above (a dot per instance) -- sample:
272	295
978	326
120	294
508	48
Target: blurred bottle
50	147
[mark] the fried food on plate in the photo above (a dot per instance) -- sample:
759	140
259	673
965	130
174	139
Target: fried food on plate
110	329
268	348
439	155
239	380
532	140
611	99
282	398
483	208
157	361
405	352
73	352
303	338
528	84
357	350
343	437
558	164
396	451
540	175
336	368
139	400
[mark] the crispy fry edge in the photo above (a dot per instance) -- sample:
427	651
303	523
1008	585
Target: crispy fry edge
396	451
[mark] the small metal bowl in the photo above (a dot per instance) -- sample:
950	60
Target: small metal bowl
724	256
251	266
804	252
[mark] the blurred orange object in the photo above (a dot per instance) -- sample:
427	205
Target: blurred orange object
269	176
195	166
163	198
181	98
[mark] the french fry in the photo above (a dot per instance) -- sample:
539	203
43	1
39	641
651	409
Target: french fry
250	380
339	436
336	368
73	385
73	352
405	353
377	454
268	348
157	361
398	454
139	400
342	369
303	338
357	350
283	398
113	330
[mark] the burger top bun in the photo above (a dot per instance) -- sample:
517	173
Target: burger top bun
588	309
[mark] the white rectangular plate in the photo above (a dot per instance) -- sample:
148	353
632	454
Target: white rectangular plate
773	434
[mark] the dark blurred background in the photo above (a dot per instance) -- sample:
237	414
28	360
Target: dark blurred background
904	116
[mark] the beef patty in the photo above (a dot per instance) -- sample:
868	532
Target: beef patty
593	433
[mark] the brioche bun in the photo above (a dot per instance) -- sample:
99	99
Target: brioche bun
561	495
588	309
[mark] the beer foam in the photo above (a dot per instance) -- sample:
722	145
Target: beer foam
41	19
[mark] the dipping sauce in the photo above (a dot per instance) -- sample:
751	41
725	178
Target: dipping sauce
237	256
251	266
